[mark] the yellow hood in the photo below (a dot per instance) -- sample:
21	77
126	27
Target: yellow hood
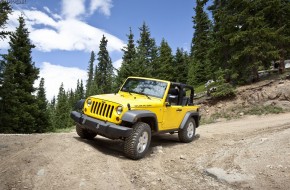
135	100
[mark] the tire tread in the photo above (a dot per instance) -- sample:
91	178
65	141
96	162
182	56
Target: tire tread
182	134
130	142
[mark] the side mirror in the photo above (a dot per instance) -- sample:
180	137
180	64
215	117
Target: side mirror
167	104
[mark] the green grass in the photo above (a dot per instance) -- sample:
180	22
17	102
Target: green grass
199	89
234	113
260	110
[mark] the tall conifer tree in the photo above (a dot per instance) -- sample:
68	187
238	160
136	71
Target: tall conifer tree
62	118
277	15
5	10
52	113
90	74
79	92
42	120
146	54
19	105
95	89
247	36
104	68
181	60
165	71
127	67
200	45
220	51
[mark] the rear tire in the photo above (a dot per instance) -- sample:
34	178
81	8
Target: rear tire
137	144
85	133
187	133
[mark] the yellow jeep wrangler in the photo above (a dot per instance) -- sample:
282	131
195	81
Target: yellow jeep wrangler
143	107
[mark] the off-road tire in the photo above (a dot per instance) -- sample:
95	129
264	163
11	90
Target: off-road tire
137	144
85	133
187	133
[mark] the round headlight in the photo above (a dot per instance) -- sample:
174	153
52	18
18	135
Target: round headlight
89	102
119	110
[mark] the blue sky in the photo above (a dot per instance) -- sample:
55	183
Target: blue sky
66	31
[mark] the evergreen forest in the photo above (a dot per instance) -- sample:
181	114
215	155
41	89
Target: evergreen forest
231	41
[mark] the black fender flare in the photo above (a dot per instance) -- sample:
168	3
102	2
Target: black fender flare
133	116
80	104
195	115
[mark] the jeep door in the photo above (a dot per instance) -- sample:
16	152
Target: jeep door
172	117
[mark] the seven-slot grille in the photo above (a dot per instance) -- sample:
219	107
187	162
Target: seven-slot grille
102	109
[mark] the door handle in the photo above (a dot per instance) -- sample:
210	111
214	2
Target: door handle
179	109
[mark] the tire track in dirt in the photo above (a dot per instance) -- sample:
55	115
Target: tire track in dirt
115	171
252	146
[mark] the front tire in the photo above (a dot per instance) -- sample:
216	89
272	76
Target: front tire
137	144
187	133
85	133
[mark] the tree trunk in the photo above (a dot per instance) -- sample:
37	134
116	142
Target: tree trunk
256	77
282	62
282	65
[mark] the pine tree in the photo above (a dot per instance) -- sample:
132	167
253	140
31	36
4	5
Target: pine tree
42	120
165	71
146	55
244	39
90	74
104	68
219	53
79	92
72	98
181	60
62	118
277	15
52	113
200	45
128	60
252	38
5	10
95	89
19	105
71	104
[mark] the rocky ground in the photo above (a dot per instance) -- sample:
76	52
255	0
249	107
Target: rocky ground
248	153
268	96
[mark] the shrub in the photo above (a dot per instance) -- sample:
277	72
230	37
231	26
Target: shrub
222	89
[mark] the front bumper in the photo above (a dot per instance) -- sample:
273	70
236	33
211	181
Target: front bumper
106	129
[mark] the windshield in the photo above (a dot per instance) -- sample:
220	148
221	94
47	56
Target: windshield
145	86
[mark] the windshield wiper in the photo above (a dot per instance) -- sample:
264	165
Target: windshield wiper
125	90
144	95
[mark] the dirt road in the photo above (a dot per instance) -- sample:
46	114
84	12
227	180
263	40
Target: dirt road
249	153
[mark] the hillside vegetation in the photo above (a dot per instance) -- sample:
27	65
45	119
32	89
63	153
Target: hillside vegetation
270	96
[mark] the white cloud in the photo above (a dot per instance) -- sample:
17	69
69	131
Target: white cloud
54	75
103	6
117	64
4	44
49	33
73	8
35	17
54	15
